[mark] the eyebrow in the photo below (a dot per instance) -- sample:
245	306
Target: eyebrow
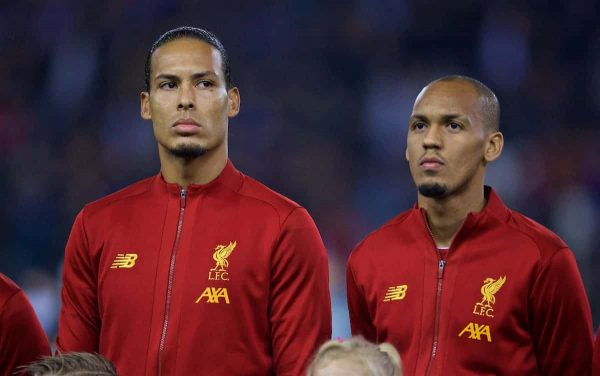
418	117
173	77
444	118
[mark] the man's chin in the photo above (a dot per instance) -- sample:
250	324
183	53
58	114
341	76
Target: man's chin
188	151
433	190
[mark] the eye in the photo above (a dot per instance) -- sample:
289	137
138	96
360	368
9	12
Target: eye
167	85
205	84
418	126
454	126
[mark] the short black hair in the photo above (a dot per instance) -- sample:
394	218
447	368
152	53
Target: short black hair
70	364
489	102
189	32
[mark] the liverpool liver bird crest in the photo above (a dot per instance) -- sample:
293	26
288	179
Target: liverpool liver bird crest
489	289
221	254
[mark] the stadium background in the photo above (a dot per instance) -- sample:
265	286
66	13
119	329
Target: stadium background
326	92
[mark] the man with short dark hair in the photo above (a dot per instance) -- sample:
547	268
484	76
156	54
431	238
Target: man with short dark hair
71	364
461	284
200	269
22	338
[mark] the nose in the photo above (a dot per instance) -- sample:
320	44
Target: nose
433	137
186	98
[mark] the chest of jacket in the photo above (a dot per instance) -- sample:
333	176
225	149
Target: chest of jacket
468	305
181	273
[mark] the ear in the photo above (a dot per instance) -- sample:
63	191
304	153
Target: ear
145	105
234	101
493	147
406	153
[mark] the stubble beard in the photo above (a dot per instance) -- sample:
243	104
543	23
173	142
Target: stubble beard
433	190
188	151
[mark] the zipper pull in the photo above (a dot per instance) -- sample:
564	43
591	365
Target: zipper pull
182	195
441	266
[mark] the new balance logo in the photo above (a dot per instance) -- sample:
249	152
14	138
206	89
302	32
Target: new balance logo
213	295
395	293
476	331
124	260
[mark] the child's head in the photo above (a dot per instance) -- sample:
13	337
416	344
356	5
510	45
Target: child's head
355	357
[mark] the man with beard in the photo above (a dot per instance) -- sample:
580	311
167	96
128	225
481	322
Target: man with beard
200	269
461	284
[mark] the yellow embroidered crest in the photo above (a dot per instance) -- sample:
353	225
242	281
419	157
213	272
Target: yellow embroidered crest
488	291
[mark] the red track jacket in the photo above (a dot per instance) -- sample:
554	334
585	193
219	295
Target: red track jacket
596	363
227	278
22	339
507	300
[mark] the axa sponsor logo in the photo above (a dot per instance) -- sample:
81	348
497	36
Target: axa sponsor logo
476	332
124	260
489	289
213	295
220	255
395	293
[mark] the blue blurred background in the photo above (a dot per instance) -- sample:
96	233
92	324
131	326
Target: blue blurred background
327	88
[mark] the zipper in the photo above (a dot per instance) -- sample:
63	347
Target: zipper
163	336
438	298
440	278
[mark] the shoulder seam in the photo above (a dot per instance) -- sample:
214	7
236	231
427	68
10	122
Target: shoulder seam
6	303
541	267
531	237
385	226
554	253
112	199
293	204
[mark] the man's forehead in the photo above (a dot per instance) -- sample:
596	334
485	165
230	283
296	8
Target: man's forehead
447	94
186	51
185	43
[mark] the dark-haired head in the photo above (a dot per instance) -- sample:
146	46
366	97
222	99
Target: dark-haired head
189	32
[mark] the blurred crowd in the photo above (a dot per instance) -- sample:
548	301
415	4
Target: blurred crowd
326	87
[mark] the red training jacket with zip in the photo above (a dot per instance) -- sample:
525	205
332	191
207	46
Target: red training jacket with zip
22	339
227	278
507	300
596	362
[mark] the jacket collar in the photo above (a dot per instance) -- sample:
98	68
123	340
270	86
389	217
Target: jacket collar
494	206
229	179
494	209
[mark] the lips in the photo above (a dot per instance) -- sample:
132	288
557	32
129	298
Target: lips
186	126
431	163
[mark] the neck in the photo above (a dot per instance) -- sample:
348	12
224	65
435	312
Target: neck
446	215
186	171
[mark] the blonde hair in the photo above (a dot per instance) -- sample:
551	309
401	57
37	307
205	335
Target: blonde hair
70	364
371	359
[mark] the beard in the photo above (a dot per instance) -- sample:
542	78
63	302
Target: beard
188	151
433	190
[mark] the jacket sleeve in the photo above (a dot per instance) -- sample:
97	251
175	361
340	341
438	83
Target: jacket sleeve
596	362
300	304
79	323
360	318
22	339
561	318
